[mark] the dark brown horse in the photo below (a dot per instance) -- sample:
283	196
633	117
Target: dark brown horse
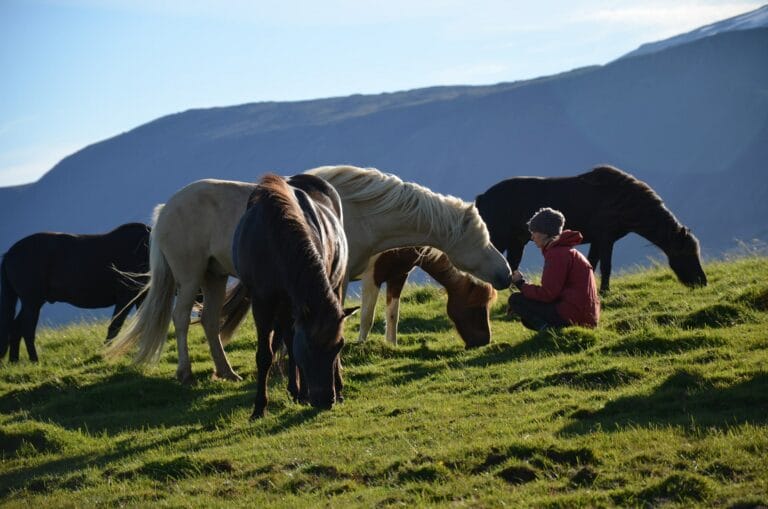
469	299
87	271
290	253
604	205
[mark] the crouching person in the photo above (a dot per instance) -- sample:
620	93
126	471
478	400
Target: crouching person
568	294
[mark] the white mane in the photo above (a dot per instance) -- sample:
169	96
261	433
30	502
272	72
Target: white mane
384	193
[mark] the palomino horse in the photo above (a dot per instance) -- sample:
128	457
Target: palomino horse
468	304
87	271
604	205
290	252
192	238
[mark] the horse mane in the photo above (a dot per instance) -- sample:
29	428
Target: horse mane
279	204
638	200
385	193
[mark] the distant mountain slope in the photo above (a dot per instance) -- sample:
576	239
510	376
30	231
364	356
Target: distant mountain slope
747	21
691	120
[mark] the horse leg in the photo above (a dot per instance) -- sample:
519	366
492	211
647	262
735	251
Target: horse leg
264	316
184	301
515	254
118	316
395	286
214	293
14	336
29	316
338	380
606	253
284	335
594	254
368	307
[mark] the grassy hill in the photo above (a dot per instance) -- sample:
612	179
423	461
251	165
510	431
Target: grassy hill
666	403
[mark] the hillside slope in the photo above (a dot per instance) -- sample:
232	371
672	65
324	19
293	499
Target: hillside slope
663	404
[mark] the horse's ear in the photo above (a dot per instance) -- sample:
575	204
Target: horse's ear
350	311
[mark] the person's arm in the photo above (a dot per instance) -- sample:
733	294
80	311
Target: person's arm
553	278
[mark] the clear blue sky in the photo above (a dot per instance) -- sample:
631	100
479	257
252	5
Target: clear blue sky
74	72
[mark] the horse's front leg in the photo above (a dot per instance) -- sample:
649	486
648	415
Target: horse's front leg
338	380
264	316
214	293
395	286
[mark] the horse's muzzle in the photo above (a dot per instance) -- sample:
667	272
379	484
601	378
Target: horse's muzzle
502	281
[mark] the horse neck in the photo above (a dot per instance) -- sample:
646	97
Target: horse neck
659	227
441	269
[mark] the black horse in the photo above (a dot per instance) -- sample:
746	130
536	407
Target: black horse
604	205
290	252
87	271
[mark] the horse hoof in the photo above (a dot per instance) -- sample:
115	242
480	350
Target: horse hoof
232	377
185	378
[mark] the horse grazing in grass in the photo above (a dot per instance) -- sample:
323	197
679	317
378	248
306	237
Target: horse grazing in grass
604	205
290	252
469	300
192	243
87	271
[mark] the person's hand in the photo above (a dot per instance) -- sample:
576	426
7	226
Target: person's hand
517	276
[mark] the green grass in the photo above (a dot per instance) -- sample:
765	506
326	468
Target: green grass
666	403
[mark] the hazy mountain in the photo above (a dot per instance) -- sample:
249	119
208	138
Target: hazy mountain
691	119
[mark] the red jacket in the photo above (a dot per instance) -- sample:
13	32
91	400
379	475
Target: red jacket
568	281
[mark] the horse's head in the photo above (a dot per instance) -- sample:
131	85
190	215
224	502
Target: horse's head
474	253
468	308
316	349
685	259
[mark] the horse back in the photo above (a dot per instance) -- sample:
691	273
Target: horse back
507	206
78	269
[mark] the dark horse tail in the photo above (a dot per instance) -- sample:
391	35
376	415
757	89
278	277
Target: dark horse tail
8	300
234	310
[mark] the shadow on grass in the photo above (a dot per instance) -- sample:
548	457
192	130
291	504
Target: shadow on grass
685	398
548	342
415	324
129	400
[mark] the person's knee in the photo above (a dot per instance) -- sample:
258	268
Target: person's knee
515	303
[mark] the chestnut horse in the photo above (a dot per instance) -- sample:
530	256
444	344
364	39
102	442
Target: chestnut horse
469	300
604	205
87	271
191	248
290	253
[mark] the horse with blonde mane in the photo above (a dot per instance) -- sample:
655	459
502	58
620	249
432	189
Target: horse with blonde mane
191	247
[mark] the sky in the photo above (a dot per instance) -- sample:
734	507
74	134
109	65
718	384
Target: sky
75	72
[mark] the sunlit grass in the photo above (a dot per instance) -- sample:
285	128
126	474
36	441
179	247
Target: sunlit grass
663	404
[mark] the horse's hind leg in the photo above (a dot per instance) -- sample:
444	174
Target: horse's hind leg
394	289
606	253
214	290
118	316
184	300
26	327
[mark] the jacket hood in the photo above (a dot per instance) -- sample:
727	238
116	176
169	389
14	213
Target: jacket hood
568	238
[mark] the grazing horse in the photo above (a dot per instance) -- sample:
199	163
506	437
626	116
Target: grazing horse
192	239
290	253
604	205
87	271
468	304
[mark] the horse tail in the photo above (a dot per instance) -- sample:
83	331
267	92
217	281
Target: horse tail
8	300
234	310
148	329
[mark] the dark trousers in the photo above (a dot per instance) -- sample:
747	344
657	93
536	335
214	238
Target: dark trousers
534	314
